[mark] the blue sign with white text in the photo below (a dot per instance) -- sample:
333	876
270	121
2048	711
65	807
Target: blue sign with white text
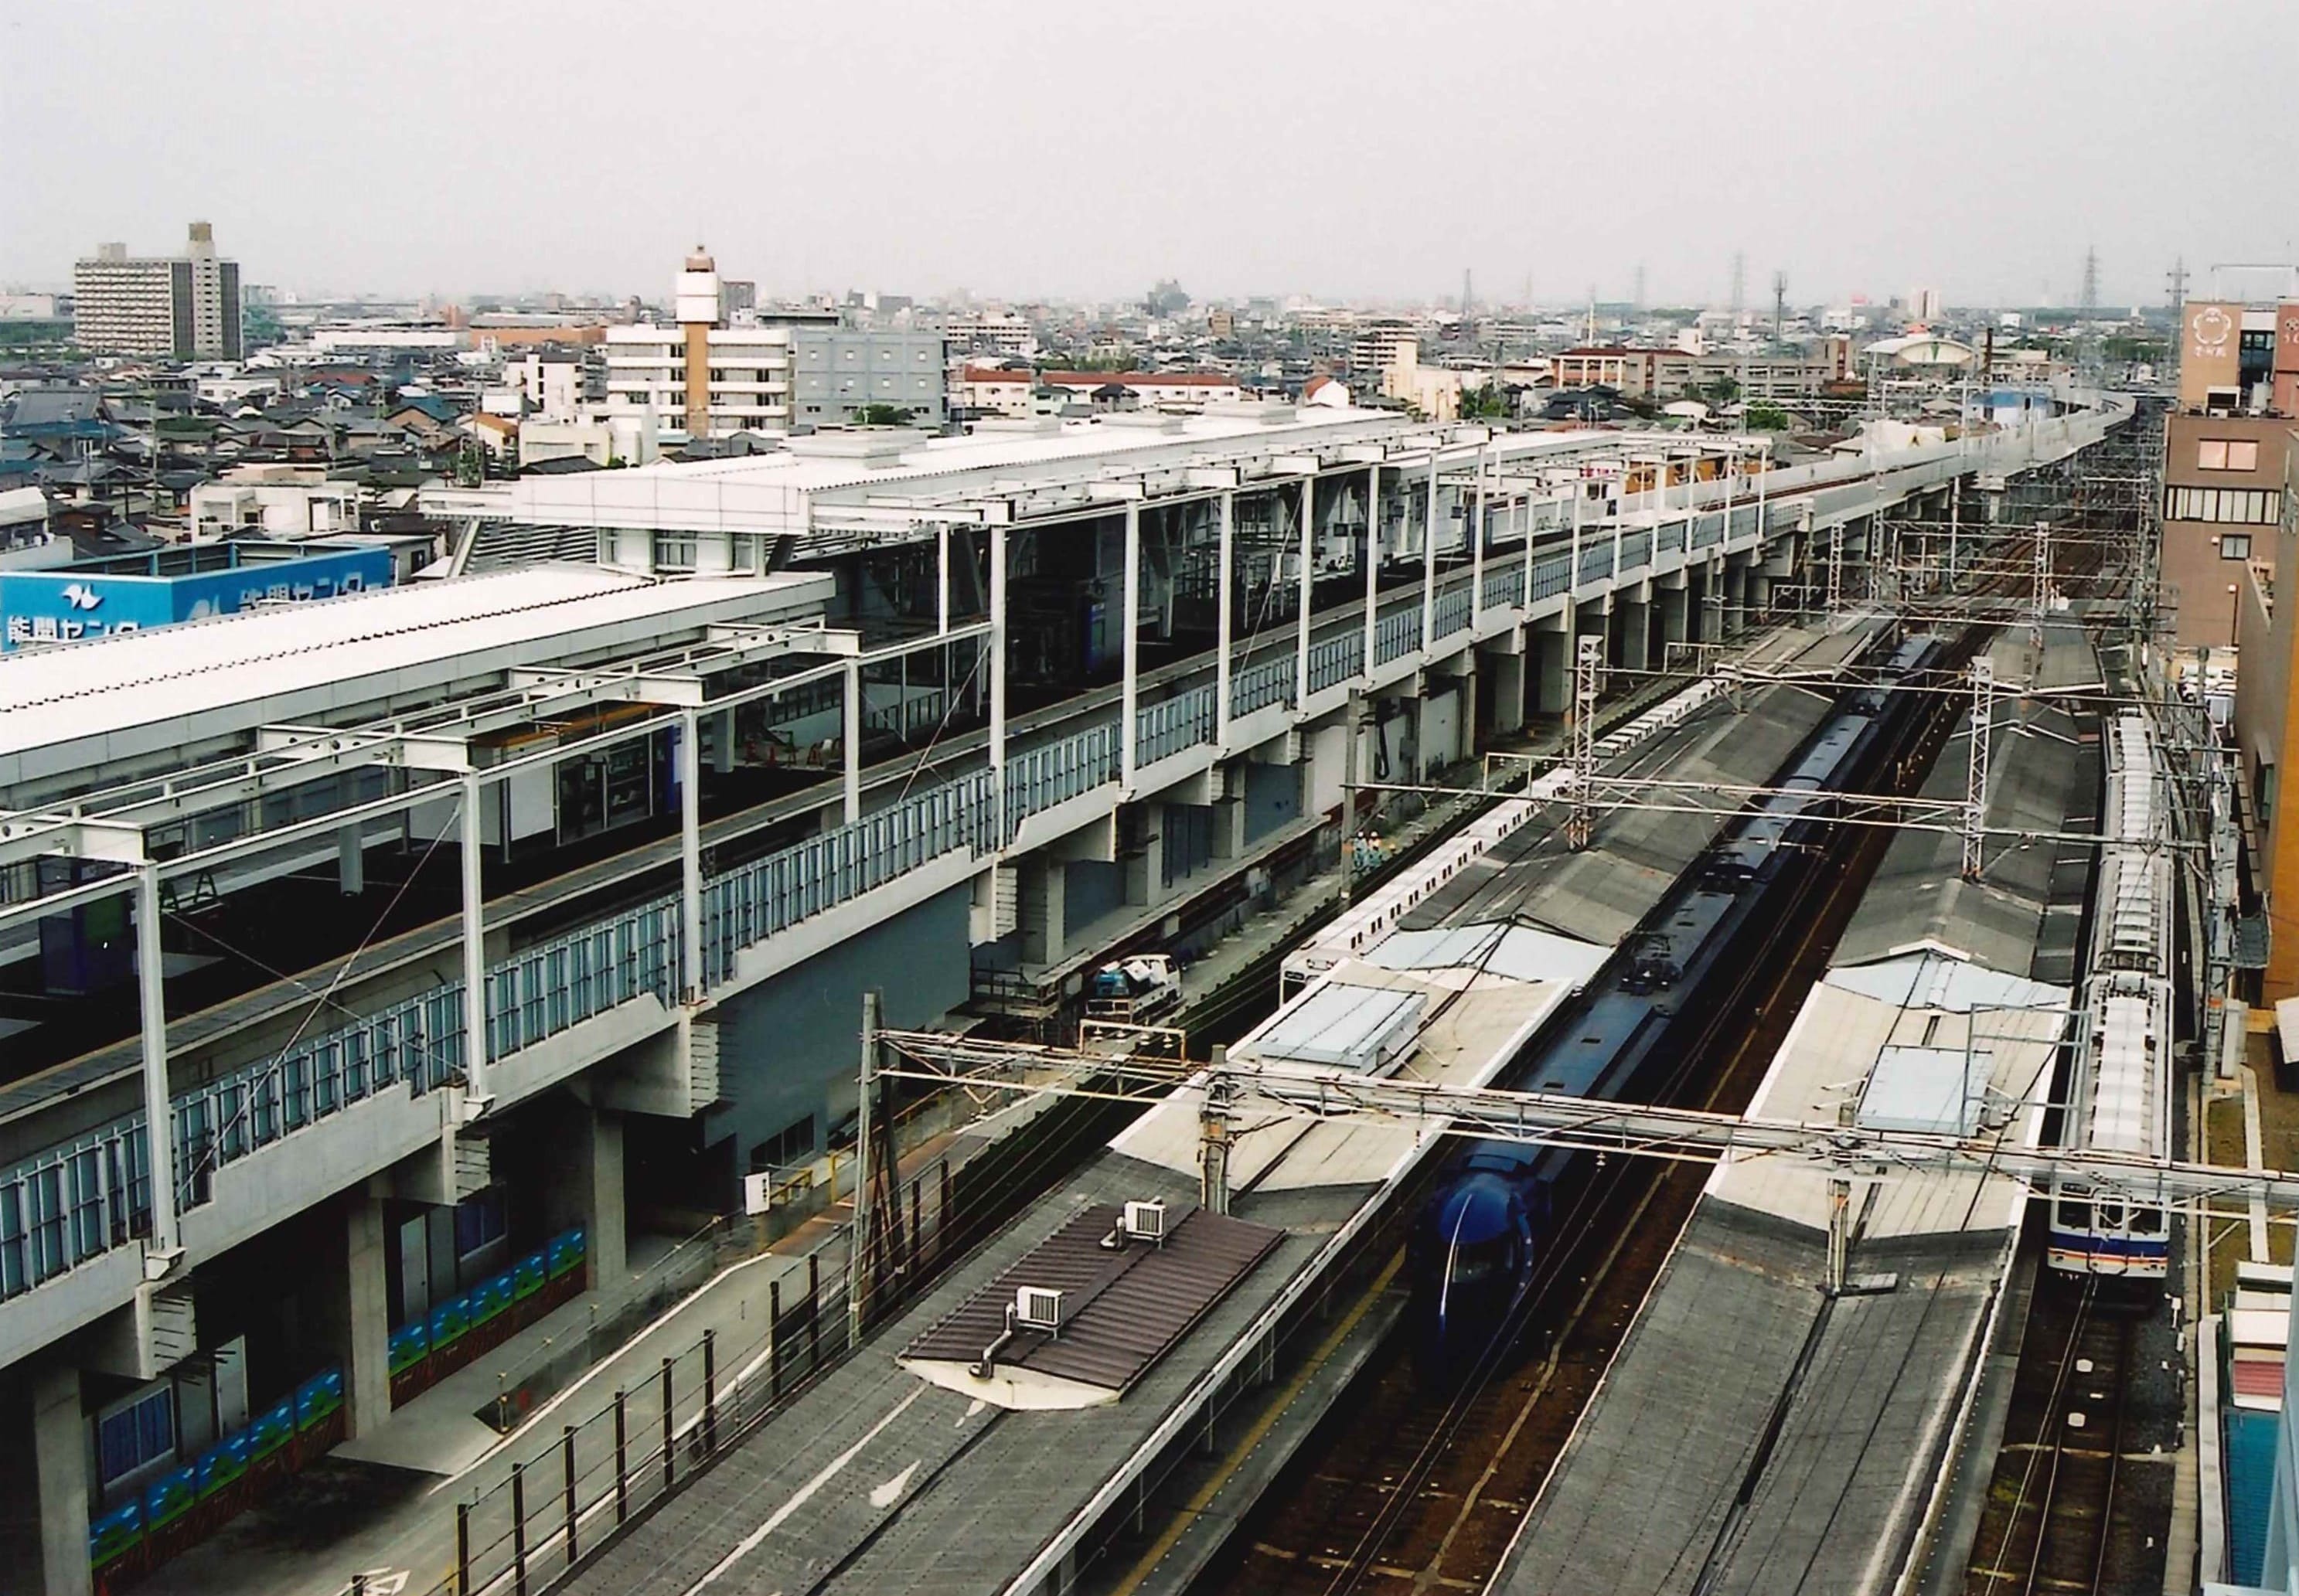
78	606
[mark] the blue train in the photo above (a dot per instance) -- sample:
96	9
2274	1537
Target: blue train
1478	1245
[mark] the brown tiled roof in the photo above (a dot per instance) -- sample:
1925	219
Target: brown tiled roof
1126	1307
1136	379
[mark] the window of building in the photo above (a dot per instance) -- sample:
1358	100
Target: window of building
2234	545
793	1144
136	1434
673	552
2227	454
2237	506
479	1221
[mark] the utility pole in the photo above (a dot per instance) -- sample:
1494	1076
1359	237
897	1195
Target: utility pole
1780	302
1740	284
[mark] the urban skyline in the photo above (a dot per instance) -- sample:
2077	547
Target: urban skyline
1886	153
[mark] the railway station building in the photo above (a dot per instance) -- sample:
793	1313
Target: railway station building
456	942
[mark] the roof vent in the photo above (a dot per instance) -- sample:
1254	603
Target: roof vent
1038	1308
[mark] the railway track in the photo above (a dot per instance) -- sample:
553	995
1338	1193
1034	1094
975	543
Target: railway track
2052	1523
1403	1495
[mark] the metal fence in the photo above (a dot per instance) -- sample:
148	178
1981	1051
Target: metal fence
1165	728
1258	686
1040	778
625	1448
1397	633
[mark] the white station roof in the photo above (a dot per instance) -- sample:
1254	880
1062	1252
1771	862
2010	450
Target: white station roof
120	699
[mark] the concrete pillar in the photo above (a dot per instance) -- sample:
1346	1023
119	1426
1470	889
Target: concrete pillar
587	1189
1735	595
363	1334
1673	617
1760	593
60	1463
1552	670
1145	871
1712	614
1229	828
722	742
1044	937
1508	692
1634	620
351	861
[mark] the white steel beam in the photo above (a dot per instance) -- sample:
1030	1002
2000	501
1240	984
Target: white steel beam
1551	1119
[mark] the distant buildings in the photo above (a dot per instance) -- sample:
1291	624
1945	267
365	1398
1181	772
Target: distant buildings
185	306
778	372
1654	373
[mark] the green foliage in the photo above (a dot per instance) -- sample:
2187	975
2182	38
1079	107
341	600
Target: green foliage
1767	418
1488	403
881	415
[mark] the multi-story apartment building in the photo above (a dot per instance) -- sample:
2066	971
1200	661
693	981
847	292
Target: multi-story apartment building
777	372
1378	345
186	307
1001	333
2224	450
1653	373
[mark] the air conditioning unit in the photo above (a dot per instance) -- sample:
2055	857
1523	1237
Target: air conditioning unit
1038	1308
1145	1222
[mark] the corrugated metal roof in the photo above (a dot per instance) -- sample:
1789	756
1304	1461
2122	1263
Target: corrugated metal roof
1937	1089
201	669
1125	1307
1339	1023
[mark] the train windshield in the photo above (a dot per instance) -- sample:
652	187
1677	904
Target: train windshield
1475	1263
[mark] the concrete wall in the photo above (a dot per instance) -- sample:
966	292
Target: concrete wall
1272	797
790	1046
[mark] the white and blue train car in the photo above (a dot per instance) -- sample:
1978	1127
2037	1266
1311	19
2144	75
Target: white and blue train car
2119	1098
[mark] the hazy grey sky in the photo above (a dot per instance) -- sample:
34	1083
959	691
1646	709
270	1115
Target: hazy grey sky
1075	147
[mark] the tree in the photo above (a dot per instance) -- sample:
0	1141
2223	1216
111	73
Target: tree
1490	402
1721	391
881	415
1767	418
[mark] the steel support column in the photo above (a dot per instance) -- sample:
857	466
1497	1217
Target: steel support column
1225	626
1130	691
475	947
998	682
151	1003
690	855
1429	567
1308	574
1372	566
